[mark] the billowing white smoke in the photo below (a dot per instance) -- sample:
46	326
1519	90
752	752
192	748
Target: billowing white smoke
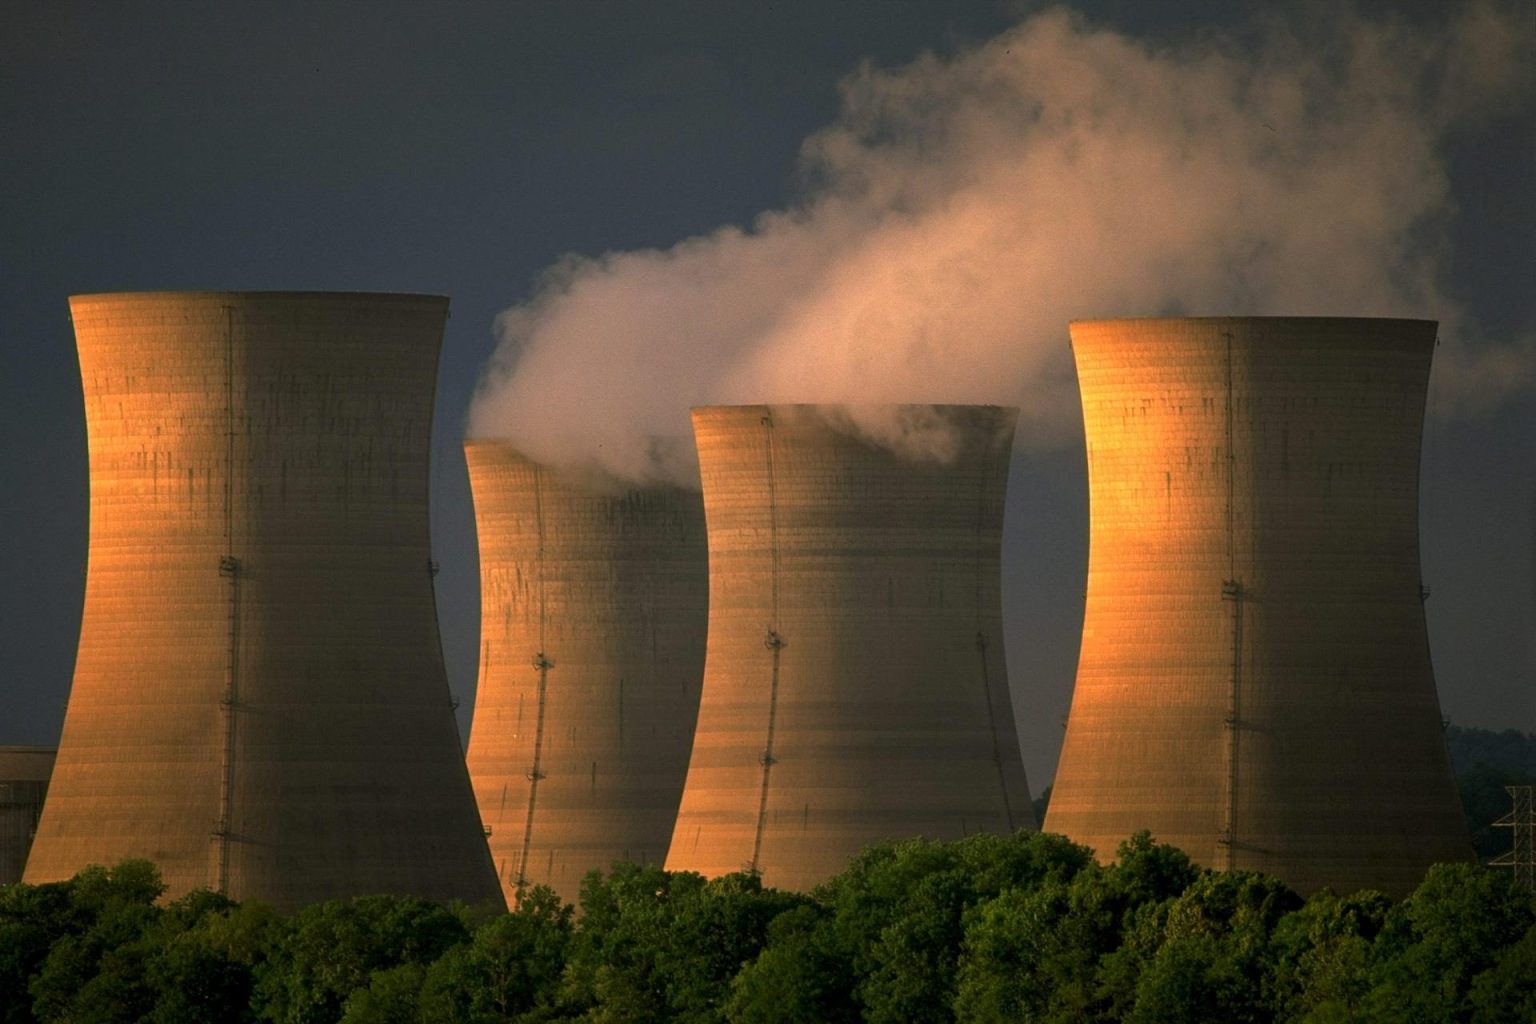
960	211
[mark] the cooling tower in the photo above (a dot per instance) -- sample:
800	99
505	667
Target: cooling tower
259	703
593	610
854	686
24	775
1254	684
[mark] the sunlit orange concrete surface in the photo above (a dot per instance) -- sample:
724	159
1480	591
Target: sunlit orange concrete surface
259	703
24	775
593	600
1254	683
854	687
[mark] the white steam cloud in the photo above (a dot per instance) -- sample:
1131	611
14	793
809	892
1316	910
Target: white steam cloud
961	210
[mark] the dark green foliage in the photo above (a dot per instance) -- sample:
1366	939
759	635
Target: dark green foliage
982	931
884	942
899	912
800	977
324	953
1321	953
1506	992
391	996
1147	872
1058	951
33	918
512	965
207	972
659	946
93	971
1027	953
1214	960
1449	930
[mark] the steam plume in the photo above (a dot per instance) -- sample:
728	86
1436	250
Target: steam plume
961	210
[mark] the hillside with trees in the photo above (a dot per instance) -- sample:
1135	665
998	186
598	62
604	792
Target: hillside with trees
1485	762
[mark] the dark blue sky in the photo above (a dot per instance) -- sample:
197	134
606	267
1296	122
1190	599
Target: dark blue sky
459	148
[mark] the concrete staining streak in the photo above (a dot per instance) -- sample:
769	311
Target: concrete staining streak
851	591
593	610
1254	684
259	702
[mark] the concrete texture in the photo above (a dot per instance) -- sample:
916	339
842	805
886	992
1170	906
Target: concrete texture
24	775
594	603
1254	684
259	704
854	688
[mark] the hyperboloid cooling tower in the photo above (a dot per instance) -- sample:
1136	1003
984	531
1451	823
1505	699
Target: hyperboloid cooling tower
1254	684
24	775
854	686
259	703
593	610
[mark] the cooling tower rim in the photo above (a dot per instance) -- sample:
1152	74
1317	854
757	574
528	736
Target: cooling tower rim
918	431
91	298
1296	321
482	454
813	406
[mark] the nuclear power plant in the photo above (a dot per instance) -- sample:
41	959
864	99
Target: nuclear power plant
24	775
594	603
805	661
855	689
259	704
1254	684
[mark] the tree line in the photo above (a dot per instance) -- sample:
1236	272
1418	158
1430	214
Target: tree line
986	929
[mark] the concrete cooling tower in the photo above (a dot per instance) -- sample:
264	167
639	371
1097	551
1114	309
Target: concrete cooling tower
24	775
259	703
593	609
854	687
1254	684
